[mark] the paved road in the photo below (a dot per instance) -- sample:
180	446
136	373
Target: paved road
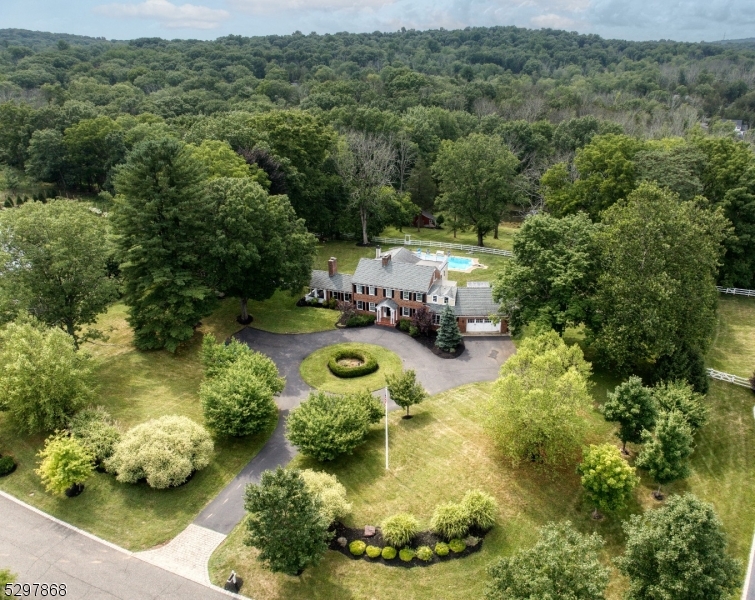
481	361
43	551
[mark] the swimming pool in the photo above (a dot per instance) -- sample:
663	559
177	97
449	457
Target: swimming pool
455	263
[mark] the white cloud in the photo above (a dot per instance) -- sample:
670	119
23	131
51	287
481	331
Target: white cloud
267	7
184	16
554	21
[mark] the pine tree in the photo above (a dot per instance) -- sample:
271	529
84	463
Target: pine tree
666	452
631	405
449	336
163	229
285	522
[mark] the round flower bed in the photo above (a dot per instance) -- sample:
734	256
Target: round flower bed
348	363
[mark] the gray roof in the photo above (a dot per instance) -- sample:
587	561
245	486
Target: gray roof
395	275
471	302
340	282
403	255
389	303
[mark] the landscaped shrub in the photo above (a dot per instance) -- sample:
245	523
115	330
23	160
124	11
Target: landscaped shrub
450	520
413	331
373	551
399	529
406	554
65	463
217	357
404	325
7	464
236	402
163	451
357	547
441	549
424	553
373	407
360	320
332	304
326	426
457	545
388	553
330	492
94	428
481	509
369	364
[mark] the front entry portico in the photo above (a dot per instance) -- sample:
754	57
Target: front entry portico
387	310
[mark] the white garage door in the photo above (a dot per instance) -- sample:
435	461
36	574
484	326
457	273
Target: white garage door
480	325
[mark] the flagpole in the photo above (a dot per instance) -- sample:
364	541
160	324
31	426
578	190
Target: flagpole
386	428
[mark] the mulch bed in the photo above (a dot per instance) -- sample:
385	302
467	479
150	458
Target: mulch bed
424	538
429	343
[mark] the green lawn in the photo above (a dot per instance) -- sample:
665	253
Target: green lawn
733	350
280	314
315	372
136	386
505	239
444	451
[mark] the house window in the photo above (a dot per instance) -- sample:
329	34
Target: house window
360	305
372	307
372	290
405	311
347	297
360	289
435	299
388	293
321	293
406	295
445	300
418	297
436	319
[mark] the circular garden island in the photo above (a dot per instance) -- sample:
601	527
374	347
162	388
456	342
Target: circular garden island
349	367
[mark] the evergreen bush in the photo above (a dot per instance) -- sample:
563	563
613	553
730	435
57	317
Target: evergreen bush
388	553
406	554
399	529
424	553
441	549
7	464
373	551
449	336
357	547
369	364
457	545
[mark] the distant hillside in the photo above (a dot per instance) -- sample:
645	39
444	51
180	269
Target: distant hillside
743	43
40	40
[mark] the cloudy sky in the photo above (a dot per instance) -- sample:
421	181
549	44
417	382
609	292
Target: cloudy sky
687	20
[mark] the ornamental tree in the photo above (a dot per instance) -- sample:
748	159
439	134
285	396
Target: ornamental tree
405	390
449	336
632	405
285	522
55	264
163	226
43	379
678	552
330	492
325	426
607	479
679	395
667	450
539	402
65	463
562	564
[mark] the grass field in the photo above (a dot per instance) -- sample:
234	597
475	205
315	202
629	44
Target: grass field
315	372
136	386
444	451
733	349
505	239
280	314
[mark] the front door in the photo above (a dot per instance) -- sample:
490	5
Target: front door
388	314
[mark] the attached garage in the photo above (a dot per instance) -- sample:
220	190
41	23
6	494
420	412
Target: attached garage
482	325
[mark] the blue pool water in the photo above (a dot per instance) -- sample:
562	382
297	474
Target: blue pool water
455	263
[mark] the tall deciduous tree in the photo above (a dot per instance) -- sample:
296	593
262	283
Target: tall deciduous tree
657	289
562	564
93	147
539	401
163	224
56	264
552	277
633	407
43	380
678	552
607	479
285	522
666	452
366	163
476	181
259	245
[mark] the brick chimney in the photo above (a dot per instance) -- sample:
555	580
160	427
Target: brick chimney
386	259
332	266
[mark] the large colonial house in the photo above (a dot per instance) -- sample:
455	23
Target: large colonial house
394	284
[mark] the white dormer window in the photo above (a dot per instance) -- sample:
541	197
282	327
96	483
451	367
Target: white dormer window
445	300
435	299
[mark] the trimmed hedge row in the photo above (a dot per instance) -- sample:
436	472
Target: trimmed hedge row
360	321
369	364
